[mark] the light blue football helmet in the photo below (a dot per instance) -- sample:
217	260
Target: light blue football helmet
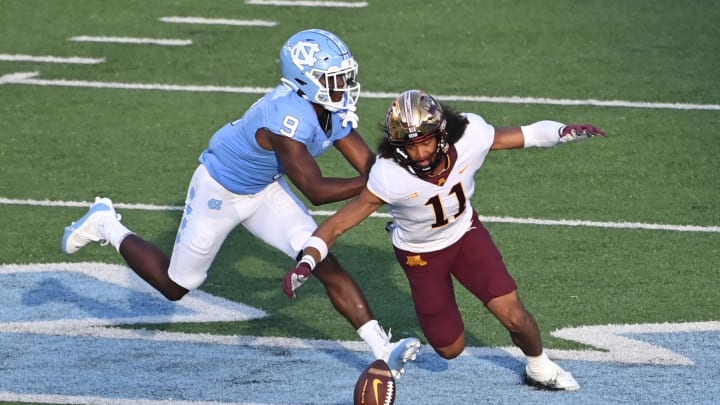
316	63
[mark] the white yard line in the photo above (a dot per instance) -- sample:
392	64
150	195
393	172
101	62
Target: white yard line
340	4
50	59
487	219
32	79
129	40
218	21
29	78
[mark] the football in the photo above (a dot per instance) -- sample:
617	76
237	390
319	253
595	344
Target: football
375	386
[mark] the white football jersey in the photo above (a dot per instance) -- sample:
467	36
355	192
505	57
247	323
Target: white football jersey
430	217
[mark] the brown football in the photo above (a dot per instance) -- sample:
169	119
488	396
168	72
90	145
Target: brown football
375	386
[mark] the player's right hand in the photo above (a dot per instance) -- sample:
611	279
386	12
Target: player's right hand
578	132
296	278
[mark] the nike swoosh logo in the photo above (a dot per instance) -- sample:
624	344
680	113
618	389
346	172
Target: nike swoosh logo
376	383
462	170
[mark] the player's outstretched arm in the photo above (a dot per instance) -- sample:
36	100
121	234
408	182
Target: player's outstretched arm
324	237
579	132
542	134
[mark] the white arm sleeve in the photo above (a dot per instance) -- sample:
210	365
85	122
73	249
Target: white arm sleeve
542	134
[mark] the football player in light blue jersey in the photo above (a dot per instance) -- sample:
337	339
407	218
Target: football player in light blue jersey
241	180
244	164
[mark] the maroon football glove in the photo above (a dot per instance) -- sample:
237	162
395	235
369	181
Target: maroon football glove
578	132
295	278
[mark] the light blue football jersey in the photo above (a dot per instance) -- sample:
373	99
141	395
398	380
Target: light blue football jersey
241	165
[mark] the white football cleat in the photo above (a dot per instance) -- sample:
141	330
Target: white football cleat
558	380
88	228
398	354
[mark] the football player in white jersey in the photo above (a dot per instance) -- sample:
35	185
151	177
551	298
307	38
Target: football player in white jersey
425	174
241	181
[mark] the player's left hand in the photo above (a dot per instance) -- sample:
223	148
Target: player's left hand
578	132
349	118
296	278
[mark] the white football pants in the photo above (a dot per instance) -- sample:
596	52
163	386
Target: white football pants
275	215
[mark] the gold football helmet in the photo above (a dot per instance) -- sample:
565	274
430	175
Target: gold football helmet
413	117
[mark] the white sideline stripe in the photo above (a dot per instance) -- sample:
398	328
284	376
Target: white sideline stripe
50	59
128	40
488	219
29	78
307	3
217	21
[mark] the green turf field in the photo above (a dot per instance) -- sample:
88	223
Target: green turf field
658	60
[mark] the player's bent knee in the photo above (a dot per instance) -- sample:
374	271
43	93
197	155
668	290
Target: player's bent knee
453	350
448	353
181	282
517	321
188	267
175	292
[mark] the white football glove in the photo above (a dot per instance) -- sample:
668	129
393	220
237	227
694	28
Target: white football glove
349	118
578	132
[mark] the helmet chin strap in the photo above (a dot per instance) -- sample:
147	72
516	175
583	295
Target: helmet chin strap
438	157
402	157
427	171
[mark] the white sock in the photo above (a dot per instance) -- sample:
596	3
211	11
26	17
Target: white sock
114	232
375	337
540	364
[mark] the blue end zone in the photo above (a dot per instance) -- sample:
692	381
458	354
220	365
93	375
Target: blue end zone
155	370
80	363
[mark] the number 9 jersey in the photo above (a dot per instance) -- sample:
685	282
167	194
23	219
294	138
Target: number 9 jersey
432	213
236	160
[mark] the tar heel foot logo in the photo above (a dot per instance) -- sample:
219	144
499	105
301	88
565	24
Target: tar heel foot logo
215	204
303	53
72	297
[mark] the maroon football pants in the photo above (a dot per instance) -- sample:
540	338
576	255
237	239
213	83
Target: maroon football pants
474	261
